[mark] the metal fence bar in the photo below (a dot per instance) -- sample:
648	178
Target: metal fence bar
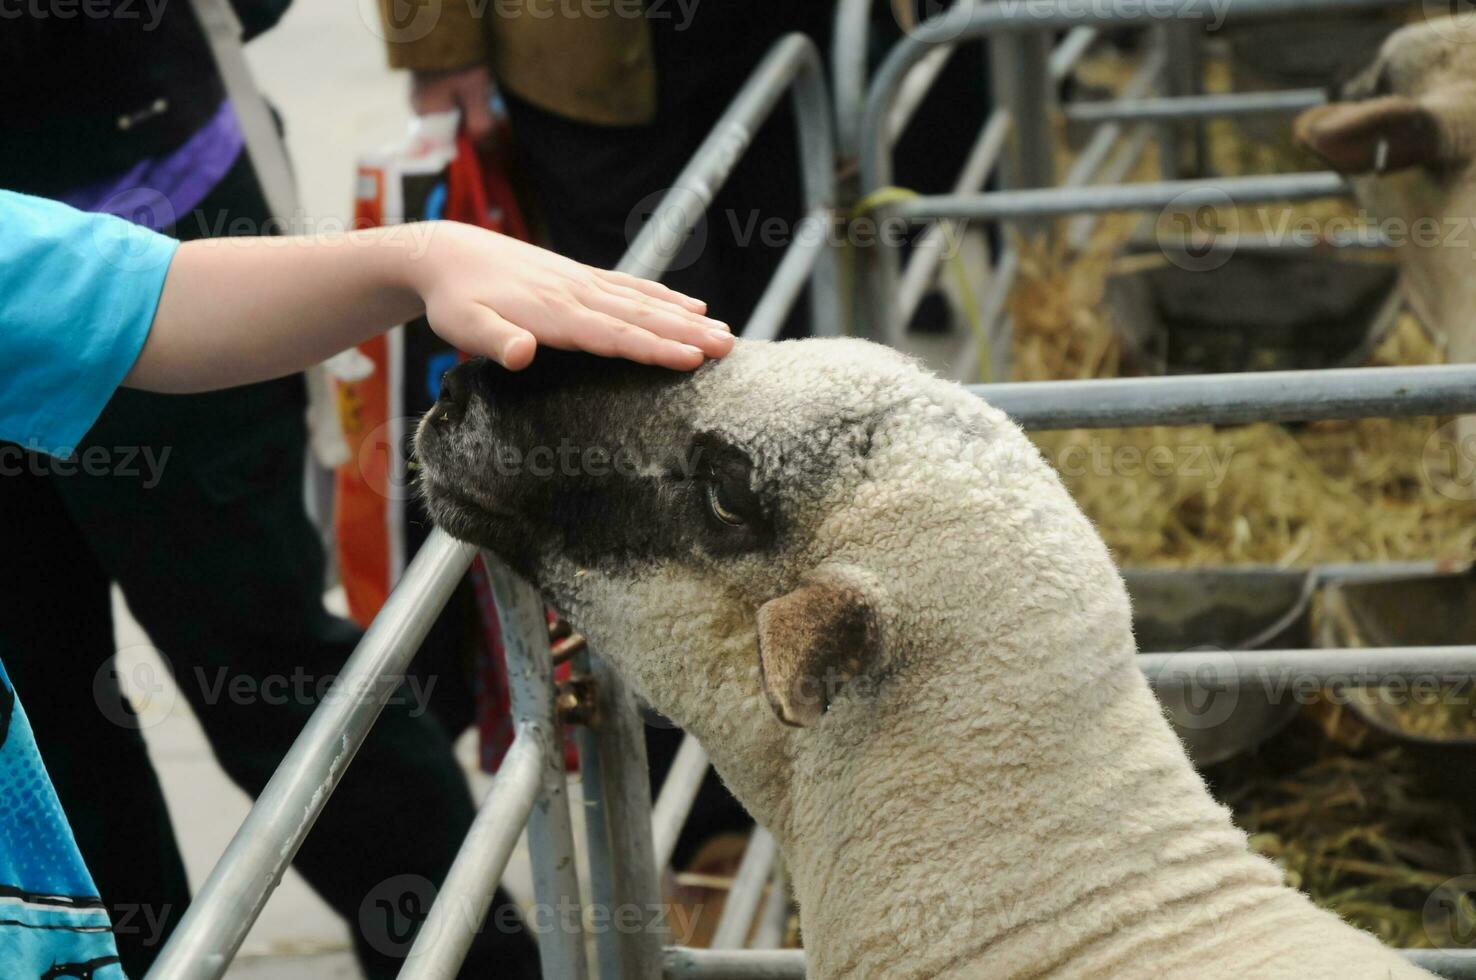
1229	399
1331	239
1089	161
816	137
1174	108
623	878
746	892
882	297
1279	670
678	791
232	897
1375	571
995	325
774	919
1098	163
929	250
683	963
1152	195
961	24
463	899
1072	48
1020	79
557	924
1183	76
792	65
915	89
623	873
789	964
849	43
1453	964
1080	229
811	240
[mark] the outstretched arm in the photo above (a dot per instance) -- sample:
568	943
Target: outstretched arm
237	310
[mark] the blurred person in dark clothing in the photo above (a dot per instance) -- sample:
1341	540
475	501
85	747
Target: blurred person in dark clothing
122	110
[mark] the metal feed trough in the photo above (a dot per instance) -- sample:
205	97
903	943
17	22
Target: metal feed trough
628	841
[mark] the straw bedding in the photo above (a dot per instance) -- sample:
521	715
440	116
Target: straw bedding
1370	828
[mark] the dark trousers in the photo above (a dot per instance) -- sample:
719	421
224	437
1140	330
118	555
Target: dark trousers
594	186
219	563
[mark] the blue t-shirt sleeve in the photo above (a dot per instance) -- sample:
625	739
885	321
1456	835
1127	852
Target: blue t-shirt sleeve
78	293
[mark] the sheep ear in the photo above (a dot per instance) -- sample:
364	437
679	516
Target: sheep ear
1374	135
811	641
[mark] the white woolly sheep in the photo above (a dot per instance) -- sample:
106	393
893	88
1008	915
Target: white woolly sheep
905	649
1404	130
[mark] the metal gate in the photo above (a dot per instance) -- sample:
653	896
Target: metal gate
628	840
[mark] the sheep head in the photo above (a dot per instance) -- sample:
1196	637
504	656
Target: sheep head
1404	131
1415	106
786	538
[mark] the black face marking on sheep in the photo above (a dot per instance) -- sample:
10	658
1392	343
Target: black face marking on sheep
776	491
575	456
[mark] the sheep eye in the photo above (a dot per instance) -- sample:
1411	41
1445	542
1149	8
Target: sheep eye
720	508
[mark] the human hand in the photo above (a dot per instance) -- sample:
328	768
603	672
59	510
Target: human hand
489	294
465	90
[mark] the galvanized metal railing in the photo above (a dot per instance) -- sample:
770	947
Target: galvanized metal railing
623	872
1015	33
628	841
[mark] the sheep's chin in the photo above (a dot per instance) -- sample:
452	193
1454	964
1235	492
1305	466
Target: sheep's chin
469	519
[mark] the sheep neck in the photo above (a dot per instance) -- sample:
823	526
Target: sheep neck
1008	819
1427	216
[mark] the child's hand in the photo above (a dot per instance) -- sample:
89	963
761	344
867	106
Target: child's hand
489	294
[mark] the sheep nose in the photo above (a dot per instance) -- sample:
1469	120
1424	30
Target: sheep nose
455	389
